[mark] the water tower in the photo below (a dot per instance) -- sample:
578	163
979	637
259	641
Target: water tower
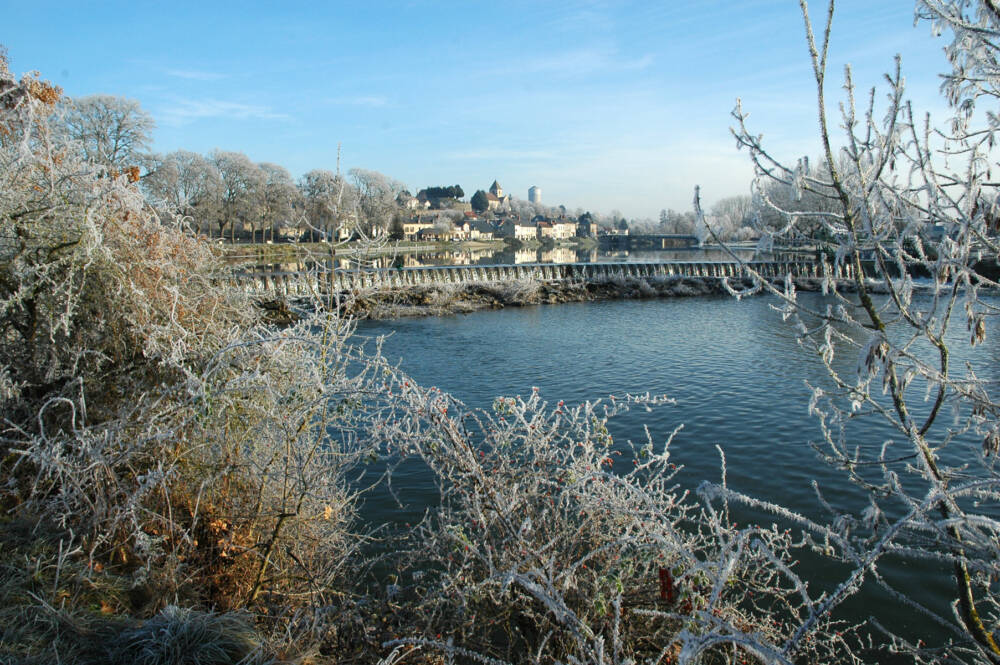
535	194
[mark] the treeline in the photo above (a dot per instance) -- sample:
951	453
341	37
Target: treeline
453	192
225	193
228	191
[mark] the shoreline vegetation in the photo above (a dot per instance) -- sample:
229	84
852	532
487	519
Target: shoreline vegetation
447	299
465	298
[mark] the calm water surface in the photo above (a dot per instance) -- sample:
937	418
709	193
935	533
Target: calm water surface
735	371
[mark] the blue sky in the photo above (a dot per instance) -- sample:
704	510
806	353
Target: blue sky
604	105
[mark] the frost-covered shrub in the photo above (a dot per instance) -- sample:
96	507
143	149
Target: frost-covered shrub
147	411
554	543
94	288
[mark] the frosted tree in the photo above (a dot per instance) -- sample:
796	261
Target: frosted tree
187	184
242	190
909	218
773	199
376	200
281	198
328	198
672	221
112	132
732	212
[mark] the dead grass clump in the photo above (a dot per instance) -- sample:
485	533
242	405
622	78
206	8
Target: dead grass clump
178	635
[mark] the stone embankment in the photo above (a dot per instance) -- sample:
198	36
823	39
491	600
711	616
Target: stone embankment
444	299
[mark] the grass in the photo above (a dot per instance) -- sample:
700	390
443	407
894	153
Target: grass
57	606
176	636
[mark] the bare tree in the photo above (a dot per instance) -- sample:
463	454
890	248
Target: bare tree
732	213
672	221
775	200
187	184
281	197
933	488
112	132
328	197
376	201
242	190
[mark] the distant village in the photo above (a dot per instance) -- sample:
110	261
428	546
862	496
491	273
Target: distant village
488	215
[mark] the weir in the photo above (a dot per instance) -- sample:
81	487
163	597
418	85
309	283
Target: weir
306	283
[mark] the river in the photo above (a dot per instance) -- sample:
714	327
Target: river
736	372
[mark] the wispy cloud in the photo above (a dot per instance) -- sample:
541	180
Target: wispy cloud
490	153
188	110
194	75
372	101
581	62
638	63
588	19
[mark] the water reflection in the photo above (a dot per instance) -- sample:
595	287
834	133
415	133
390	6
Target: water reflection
506	256
694	254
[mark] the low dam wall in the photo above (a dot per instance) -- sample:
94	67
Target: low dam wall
309	283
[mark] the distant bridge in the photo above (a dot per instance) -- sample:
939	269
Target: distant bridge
315	282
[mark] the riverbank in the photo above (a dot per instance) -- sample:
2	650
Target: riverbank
448	299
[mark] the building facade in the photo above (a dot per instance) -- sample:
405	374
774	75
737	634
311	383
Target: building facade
495	199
